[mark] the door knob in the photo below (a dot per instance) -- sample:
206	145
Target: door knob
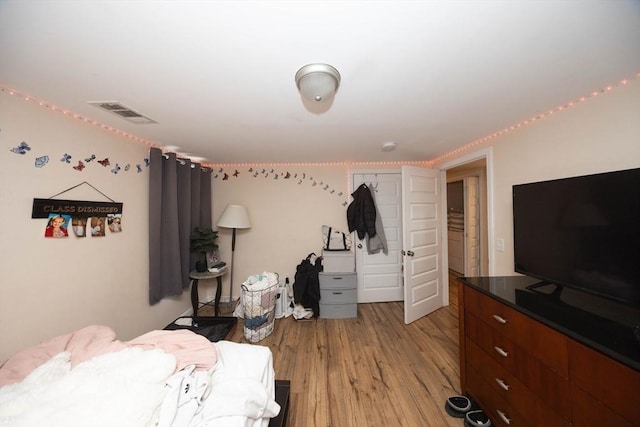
410	253
359	245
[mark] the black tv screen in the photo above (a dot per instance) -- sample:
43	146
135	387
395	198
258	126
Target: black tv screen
582	232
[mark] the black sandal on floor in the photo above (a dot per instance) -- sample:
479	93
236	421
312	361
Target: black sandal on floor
457	406
476	419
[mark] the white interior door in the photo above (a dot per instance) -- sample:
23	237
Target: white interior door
422	242
472	226
380	275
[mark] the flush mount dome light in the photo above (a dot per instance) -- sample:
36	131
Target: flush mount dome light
317	82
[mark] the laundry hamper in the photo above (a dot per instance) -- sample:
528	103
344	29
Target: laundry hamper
259	307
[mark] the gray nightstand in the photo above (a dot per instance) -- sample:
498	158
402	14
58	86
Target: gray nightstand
338	295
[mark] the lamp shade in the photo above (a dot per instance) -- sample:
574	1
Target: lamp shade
234	216
317	82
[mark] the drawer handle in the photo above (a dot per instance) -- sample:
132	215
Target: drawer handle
500	351
502	384
337	293
500	319
503	416
337	278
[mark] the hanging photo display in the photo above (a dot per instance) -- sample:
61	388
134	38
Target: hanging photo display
77	215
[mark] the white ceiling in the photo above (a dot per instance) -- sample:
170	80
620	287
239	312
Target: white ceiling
218	76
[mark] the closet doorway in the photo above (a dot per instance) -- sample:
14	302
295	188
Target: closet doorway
467	219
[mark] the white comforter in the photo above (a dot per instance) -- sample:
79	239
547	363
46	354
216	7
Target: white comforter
127	389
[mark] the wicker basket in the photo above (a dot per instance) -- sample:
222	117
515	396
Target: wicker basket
259	307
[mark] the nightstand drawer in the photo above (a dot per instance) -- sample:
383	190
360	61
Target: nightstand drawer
338	311
338	296
337	280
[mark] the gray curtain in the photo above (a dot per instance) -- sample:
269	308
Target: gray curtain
179	200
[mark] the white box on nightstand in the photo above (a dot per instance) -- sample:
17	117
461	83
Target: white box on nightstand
338	261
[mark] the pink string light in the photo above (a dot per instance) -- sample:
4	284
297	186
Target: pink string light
428	163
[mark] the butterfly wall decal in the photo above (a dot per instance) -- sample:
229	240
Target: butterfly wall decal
116	169
21	149
66	158
41	161
90	158
80	166
104	162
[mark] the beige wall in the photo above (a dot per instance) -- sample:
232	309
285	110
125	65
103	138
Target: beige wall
50	286
286	214
598	135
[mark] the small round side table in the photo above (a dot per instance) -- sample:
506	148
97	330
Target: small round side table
196	276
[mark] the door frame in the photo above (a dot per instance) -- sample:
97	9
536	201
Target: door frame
487	155
442	213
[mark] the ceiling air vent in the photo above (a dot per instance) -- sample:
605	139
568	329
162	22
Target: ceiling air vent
125	112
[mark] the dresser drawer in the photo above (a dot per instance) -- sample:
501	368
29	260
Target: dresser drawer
608	382
338	311
537	377
542	342
337	280
338	296
588	411
541	409
500	412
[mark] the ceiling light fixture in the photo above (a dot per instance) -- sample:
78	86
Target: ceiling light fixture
317	82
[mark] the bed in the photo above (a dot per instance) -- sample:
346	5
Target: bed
159	379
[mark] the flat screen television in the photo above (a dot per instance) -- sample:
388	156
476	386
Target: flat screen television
581	232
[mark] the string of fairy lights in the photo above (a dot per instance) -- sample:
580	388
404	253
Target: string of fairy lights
223	171
453	153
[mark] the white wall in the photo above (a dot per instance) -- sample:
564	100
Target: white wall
598	135
51	286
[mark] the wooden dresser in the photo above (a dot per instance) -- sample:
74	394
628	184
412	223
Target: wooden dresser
526	370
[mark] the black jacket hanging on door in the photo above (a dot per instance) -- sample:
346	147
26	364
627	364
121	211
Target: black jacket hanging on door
306	285
361	213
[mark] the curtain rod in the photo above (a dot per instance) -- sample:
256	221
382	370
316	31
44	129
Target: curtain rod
184	161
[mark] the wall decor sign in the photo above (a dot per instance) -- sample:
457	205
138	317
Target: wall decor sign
63	213
42	208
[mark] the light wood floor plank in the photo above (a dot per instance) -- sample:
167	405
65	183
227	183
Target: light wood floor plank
369	371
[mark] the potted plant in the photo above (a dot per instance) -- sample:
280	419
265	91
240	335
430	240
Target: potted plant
203	240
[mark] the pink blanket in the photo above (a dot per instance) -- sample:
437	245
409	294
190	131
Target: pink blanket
188	347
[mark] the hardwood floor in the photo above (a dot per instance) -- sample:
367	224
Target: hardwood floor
369	371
